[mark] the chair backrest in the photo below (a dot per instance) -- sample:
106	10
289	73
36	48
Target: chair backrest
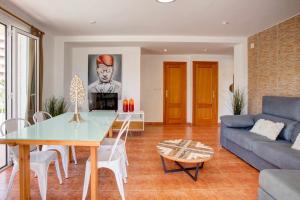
41	116
12	125
125	122
124	129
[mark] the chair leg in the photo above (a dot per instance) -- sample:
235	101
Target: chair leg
125	155
124	170
65	162
42	181
11	179
119	180
74	155
87	177
58	171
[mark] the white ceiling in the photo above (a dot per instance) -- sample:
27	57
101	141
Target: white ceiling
147	17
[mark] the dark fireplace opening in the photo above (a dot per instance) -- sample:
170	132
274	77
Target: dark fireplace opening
103	101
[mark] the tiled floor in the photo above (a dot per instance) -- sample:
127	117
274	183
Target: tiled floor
223	177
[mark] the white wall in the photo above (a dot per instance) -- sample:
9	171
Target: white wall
241	70
152	83
130	69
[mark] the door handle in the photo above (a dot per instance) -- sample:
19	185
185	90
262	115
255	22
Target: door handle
213	94
167	93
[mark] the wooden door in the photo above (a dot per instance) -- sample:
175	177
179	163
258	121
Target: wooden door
174	92
205	92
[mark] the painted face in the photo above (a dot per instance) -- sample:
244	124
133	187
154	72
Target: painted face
104	72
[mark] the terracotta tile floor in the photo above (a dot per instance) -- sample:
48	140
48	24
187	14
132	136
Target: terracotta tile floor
223	177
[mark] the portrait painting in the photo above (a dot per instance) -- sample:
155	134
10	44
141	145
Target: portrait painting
105	74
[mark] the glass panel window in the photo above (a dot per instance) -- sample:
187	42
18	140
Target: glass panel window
26	60
3	149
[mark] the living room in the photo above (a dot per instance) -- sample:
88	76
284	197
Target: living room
157	99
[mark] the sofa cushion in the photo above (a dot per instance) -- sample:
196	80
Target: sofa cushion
296	144
295	133
279	153
243	137
285	107
267	128
238	121
281	184
289	125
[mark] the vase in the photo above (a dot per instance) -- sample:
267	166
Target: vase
125	105
131	105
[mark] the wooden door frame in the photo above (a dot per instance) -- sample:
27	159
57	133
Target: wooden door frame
194	89
164	88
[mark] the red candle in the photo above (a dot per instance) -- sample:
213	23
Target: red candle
125	105
131	105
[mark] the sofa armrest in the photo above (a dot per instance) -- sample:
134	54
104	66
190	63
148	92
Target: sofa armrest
238	121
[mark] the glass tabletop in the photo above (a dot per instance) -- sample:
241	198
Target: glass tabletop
94	128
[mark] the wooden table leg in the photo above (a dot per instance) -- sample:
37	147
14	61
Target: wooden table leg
24	165
70	154
94	173
110	132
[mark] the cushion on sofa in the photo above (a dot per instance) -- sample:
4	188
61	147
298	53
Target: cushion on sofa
279	153
243	137
285	107
295	133
280	184
238	121
267	128
289	125
296	144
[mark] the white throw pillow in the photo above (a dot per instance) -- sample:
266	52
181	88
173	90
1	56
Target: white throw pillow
296	144
267	128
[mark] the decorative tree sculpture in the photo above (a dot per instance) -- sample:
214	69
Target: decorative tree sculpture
77	94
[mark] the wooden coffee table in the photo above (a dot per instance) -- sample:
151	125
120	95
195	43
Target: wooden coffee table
184	151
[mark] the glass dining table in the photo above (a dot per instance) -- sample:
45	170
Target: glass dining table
60	131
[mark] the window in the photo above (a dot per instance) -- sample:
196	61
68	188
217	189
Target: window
18	74
3	148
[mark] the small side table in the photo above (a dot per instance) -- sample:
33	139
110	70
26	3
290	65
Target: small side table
184	151
136	123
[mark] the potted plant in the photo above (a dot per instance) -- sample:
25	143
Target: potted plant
238	102
56	106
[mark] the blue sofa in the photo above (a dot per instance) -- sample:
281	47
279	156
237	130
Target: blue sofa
279	184
280	164
259	151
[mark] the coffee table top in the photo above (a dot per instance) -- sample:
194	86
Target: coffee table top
186	151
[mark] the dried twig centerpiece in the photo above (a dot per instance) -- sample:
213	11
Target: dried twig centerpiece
77	94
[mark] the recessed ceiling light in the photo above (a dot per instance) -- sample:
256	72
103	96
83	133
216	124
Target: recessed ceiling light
92	22
225	22
165	50
165	1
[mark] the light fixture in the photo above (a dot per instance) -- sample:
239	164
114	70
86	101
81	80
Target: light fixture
225	22
92	22
165	50
165	1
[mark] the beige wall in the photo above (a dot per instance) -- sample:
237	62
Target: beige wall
274	63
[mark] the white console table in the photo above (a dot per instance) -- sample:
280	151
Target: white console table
136	123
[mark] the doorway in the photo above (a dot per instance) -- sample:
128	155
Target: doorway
174	92
205	92
18	77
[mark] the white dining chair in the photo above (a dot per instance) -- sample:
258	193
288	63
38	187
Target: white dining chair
39	160
121	145
63	150
110	158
